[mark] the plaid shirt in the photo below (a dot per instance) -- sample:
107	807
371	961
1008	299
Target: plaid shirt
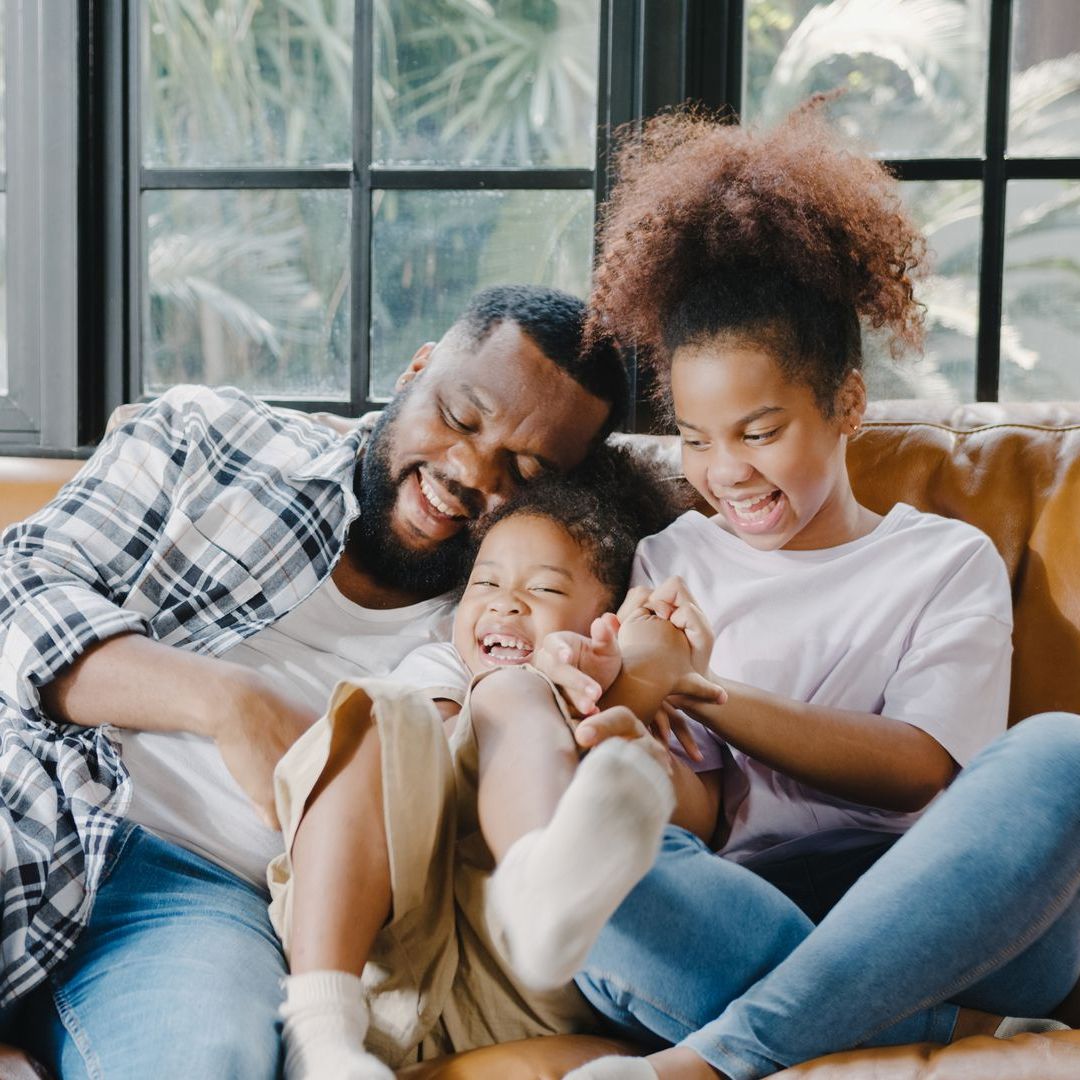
201	519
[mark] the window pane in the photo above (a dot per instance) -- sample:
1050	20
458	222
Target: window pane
914	70
3	88
231	82
431	250
950	214
1044	96
249	288
3	295
1040	334
486	82
3	207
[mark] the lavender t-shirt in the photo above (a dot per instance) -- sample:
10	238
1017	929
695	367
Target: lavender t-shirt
912	621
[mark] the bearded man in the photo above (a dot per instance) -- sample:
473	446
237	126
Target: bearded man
178	615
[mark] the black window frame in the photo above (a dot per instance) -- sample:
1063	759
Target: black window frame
82	234
119	35
722	30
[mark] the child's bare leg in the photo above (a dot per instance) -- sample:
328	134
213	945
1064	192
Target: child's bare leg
570	843
341	899
341	865
527	758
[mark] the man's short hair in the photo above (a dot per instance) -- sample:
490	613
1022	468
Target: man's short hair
555	320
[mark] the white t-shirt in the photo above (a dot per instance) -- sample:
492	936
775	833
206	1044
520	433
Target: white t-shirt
182	789
437	668
912	622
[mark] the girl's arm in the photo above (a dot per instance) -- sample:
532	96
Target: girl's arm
863	757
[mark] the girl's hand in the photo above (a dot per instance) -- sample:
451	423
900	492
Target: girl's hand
635	605
694	689
672	601
670	722
692	696
669	653
621	723
582	667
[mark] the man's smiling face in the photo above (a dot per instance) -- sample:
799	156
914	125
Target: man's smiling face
471	424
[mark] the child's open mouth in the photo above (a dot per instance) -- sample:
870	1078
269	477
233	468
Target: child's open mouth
759	513
505	649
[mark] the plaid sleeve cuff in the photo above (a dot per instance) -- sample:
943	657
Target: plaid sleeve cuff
51	626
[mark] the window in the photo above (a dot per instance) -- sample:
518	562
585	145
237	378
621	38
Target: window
293	195
976	106
38	195
323	184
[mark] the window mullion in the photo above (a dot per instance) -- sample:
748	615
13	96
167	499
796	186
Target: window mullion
360	252
992	259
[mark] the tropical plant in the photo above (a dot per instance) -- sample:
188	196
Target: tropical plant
269	82
914	75
480	82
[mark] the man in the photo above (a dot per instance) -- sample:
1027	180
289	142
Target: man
213	570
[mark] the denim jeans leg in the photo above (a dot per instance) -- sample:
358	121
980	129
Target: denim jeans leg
694	934
177	975
990	869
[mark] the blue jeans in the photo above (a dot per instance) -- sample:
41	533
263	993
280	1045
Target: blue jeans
977	905
177	975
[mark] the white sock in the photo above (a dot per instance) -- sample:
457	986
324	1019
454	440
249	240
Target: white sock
326	1020
614	1068
1017	1025
557	886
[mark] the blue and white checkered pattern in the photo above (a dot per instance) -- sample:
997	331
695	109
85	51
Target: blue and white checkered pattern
201	519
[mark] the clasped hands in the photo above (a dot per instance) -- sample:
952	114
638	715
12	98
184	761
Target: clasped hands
658	647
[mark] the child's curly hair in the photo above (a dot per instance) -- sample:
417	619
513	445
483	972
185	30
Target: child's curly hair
607	504
784	236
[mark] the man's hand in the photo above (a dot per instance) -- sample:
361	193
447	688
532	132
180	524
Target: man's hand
253	726
582	667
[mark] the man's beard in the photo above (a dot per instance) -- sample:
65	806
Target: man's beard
372	540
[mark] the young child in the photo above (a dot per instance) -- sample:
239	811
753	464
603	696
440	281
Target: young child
437	897
865	656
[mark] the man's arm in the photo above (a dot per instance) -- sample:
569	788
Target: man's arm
132	681
74	641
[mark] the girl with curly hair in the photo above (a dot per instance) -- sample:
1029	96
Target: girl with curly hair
865	657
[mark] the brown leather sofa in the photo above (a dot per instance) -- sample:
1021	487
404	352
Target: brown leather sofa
1012	470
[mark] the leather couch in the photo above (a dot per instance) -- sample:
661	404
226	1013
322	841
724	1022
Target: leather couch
1014	471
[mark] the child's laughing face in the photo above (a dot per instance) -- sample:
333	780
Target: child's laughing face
530	579
756	445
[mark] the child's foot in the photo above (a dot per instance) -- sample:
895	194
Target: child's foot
614	1068
973	1022
326	1020
557	886
1017	1025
